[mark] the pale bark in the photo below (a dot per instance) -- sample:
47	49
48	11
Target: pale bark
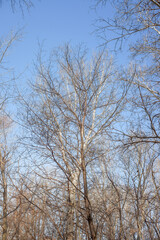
4	184
72	189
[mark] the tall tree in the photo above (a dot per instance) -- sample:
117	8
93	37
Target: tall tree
75	106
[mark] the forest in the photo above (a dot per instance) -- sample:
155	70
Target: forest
80	160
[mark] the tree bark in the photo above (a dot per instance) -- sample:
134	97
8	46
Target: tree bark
4	184
86	199
72	186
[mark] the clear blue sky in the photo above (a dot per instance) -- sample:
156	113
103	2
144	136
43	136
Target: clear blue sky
52	21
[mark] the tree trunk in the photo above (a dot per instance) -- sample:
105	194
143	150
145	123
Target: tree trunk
86	199
72	187
4	184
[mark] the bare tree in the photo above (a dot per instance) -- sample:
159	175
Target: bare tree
75	106
124	197
137	18
139	21
5	122
4	159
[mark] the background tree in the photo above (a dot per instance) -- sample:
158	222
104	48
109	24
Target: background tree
137	18
137	23
5	122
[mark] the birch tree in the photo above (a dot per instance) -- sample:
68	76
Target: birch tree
75	105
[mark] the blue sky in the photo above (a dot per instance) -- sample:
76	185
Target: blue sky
52	21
